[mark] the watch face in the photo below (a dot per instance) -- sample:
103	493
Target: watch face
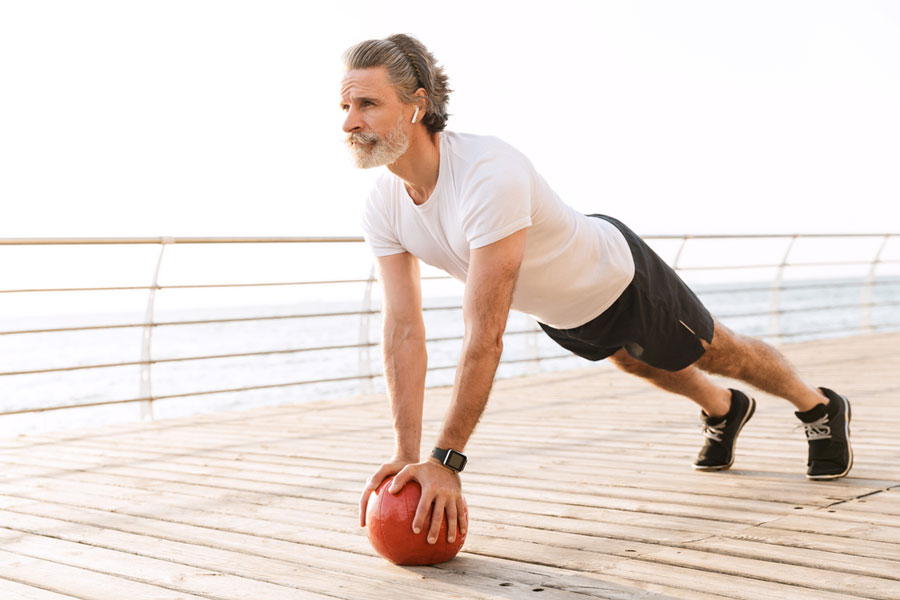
456	461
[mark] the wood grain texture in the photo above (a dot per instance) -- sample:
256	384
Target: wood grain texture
579	486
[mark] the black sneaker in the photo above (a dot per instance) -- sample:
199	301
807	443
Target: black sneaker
721	433
828	433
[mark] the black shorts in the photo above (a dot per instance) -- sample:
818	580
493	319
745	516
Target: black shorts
657	319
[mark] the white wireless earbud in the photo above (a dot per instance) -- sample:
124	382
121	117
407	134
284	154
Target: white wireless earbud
415	114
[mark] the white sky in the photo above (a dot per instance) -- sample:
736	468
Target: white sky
221	118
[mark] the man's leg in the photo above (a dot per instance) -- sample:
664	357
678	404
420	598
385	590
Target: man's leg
825	414
732	355
759	364
690	382
725	412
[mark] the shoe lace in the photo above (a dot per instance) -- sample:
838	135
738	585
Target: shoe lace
817	430
713	432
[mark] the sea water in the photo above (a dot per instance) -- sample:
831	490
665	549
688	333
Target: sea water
809	310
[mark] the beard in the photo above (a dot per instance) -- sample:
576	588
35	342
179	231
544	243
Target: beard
374	150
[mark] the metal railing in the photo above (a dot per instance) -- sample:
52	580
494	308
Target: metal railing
365	376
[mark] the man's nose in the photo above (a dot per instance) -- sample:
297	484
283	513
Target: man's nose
352	122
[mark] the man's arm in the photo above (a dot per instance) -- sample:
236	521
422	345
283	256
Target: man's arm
405	361
491	280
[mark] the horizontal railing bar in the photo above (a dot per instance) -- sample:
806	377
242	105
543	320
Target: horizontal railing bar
424	278
789	288
45	409
254	319
429	340
875	328
214	321
836	263
168	323
170	396
359	239
103	241
243	389
808	309
200	286
752	236
340	379
157	361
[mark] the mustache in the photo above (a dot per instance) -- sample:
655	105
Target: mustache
363	138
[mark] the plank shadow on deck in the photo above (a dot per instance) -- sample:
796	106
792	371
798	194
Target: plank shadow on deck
579	486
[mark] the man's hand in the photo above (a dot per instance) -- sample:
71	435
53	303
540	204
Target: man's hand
441	491
383	472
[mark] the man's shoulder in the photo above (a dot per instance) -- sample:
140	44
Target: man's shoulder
484	155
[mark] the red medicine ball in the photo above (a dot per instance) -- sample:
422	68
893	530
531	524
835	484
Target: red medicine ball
389	520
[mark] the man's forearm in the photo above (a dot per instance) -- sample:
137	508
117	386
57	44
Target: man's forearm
405	363
474	377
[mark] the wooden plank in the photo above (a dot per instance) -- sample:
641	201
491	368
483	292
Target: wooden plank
506	536
86	584
348	492
199	569
558	472
596	504
688	581
837	561
354	570
824	579
18	591
832	526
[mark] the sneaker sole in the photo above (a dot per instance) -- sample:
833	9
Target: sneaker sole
849	447
749	414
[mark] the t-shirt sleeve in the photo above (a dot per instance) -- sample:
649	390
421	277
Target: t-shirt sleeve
497	199
378	228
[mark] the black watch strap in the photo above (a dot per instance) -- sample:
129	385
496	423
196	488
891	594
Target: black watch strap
450	458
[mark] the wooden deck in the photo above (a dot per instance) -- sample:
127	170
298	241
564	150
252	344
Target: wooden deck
579	486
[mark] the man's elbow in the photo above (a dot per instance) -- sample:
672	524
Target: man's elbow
485	344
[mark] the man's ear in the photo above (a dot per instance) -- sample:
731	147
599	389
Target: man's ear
421	101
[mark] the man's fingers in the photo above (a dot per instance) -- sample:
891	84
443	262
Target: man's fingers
363	503
437	517
372	484
400	480
463	516
422	512
451	522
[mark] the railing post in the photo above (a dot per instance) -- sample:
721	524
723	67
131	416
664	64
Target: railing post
146	391
684	242
775	293
867	299
367	379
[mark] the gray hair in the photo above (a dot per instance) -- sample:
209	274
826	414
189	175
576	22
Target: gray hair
410	66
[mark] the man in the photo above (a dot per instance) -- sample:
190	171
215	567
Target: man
475	207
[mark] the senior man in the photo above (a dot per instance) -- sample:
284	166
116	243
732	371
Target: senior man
475	207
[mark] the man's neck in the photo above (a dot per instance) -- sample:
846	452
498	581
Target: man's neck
419	166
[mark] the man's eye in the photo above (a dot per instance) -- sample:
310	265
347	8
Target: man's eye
345	107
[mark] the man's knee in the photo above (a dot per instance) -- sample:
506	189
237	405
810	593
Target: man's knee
723	356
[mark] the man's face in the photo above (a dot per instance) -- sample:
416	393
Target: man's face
375	123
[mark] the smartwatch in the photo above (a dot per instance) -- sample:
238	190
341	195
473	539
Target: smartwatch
453	460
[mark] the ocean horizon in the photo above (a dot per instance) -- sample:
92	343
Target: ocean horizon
811	310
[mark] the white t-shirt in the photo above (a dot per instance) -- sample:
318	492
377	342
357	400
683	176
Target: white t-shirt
574	266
